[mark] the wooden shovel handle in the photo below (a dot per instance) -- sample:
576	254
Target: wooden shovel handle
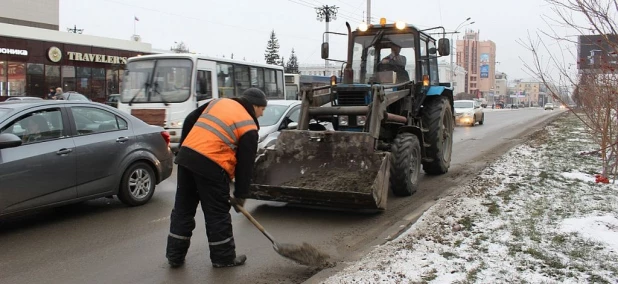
255	222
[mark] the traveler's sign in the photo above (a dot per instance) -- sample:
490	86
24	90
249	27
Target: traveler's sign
98	58
12	51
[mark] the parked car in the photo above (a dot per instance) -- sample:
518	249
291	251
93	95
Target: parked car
72	96
549	106
468	112
112	100
60	152
23	99
279	115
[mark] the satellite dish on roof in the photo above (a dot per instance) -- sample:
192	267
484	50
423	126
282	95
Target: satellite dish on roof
136	38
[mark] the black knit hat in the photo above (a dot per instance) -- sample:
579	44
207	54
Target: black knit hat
255	97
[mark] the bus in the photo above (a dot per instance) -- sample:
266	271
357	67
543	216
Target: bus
162	89
295	82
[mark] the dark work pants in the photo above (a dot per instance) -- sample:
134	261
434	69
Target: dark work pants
213	192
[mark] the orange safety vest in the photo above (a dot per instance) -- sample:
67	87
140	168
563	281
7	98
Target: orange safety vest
215	134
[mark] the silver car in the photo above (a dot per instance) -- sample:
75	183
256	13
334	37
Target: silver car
279	115
59	152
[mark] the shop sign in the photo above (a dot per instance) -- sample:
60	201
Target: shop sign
12	51
98	58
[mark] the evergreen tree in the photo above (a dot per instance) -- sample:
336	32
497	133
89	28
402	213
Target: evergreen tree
272	50
292	65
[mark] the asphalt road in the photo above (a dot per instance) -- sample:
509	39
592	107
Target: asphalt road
102	241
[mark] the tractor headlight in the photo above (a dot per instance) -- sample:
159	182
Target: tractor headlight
363	27
344	120
360	120
400	25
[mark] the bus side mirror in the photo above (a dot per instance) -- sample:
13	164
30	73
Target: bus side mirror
444	46
325	50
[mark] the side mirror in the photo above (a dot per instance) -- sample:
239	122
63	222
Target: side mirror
444	47
9	140
325	50
292	125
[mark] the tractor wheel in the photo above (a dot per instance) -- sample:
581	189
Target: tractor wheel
405	164
437	117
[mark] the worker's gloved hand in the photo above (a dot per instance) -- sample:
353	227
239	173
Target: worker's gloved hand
237	201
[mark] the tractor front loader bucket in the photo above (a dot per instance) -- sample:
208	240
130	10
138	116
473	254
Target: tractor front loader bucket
323	168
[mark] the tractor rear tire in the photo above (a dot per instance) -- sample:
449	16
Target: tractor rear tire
437	117
405	164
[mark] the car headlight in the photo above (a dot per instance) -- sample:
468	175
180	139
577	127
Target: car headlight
344	120
176	124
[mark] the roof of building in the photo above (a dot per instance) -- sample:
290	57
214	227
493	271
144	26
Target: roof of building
24	32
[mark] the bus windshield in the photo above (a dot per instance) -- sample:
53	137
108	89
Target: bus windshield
157	81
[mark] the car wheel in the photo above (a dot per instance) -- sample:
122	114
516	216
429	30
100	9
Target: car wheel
482	119
137	185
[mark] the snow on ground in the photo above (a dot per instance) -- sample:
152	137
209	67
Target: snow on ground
534	216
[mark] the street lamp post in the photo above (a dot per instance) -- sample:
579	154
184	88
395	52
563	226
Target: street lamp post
455	31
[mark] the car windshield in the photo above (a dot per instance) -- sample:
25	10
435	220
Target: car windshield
369	57
272	114
464	104
157	81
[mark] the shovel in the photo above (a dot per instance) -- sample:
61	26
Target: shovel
304	254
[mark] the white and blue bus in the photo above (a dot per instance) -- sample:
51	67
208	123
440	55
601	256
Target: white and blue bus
163	89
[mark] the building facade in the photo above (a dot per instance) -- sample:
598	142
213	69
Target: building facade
501	86
44	14
33	60
479	59
320	70
457	75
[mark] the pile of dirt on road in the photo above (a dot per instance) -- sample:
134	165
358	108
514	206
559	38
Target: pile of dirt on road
335	180
304	254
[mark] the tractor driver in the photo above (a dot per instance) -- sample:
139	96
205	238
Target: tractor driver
395	62
395	58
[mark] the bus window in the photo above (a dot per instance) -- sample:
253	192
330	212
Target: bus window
291	92
241	77
257	77
280	84
225	80
270	84
203	85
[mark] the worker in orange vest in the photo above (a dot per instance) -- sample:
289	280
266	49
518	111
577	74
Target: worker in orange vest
218	143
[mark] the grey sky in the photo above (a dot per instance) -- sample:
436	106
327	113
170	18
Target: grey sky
242	27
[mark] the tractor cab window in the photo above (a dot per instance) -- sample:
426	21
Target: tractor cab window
387	59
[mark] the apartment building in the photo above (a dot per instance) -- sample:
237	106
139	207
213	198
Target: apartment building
479	59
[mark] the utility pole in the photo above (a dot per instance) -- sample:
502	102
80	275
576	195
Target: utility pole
455	44
368	12
327	13
75	30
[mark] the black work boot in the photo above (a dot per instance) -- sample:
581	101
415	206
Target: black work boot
239	260
176	251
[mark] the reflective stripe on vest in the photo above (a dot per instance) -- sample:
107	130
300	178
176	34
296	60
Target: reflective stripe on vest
217	131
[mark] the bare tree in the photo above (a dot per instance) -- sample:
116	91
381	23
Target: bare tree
594	81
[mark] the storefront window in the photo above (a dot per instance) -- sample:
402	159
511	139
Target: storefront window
36	80
3	79
98	85
52	77
68	78
83	82
17	79
112	82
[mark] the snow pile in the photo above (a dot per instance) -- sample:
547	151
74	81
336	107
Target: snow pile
534	216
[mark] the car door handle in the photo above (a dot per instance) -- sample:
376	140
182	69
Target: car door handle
122	139
64	151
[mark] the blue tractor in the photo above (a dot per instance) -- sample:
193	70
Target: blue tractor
390	115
